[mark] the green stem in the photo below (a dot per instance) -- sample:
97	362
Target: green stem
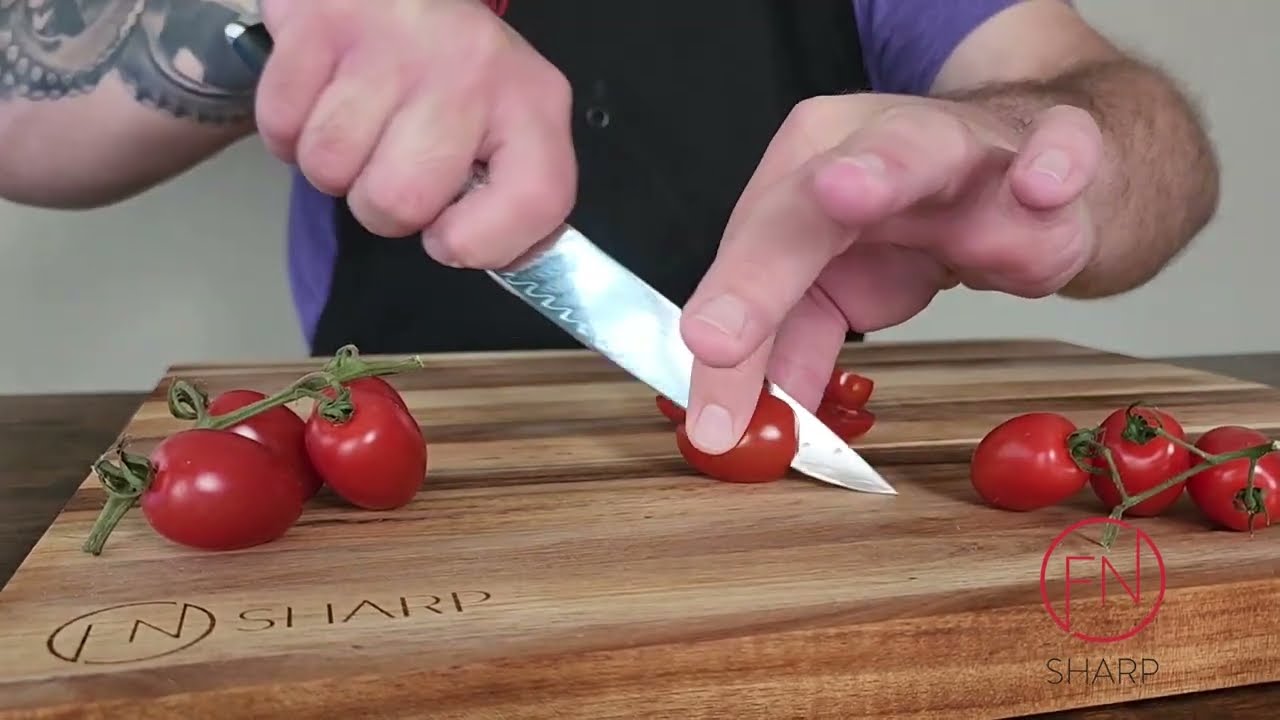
126	480
1252	453
343	368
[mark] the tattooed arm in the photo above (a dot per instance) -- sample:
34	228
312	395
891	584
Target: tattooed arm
103	99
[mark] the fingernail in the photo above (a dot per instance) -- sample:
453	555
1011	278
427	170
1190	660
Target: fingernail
713	431
431	243
872	164
1053	163
725	313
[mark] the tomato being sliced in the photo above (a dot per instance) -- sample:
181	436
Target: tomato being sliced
763	453
848	389
849	423
1025	463
1219	492
670	410
219	490
1142	466
279	428
376	459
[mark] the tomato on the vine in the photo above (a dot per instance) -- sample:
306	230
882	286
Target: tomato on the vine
763	453
279	428
1220	492
375	459
670	410
379	385
848	389
849	423
1141	465
1025	463
219	490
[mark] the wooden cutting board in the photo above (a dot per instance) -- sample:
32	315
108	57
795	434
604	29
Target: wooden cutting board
561	561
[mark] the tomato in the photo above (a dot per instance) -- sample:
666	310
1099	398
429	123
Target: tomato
379	385
763	453
376	459
1142	466
849	423
375	384
219	490
672	411
848	389
1218	491
279	428
1025	463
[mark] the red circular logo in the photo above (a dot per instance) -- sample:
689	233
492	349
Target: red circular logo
1093	616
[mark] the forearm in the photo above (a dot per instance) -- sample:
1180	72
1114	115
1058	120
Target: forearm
102	99
1157	184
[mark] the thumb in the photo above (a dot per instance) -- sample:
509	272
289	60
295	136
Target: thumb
1058	159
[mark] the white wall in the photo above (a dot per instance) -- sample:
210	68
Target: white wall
221	227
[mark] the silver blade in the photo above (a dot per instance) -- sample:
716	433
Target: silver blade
609	309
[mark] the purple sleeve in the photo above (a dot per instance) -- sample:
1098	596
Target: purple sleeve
906	42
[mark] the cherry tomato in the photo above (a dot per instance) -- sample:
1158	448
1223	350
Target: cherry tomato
848	389
1025	463
219	490
1218	491
849	423
672	411
279	428
376	459
763	454
375	384
1141	465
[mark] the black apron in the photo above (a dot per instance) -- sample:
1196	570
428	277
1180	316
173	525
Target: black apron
675	102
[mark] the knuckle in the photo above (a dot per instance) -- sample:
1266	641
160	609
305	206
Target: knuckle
329	159
926	131
399	207
810	122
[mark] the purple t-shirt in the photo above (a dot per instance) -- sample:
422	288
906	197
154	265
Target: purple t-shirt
904	44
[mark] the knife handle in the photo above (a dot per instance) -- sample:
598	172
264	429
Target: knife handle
253	45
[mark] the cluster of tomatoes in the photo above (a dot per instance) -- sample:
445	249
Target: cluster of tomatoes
246	484
1040	459
770	442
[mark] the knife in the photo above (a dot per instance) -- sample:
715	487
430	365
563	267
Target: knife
607	308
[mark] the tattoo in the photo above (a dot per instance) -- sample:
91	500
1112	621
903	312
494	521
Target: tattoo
171	54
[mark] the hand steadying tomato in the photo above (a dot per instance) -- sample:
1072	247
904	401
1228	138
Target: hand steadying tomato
376	459
279	428
1219	492
1142	466
763	454
1025	463
218	490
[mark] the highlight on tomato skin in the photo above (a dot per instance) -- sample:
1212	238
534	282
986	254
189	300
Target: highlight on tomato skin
1141	466
1222	494
1025	463
764	452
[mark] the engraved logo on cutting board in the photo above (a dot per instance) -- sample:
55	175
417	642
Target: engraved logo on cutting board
133	632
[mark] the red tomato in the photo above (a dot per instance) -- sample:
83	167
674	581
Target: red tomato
672	411
1025	463
376	459
849	423
374	384
1141	465
1219	491
279	428
848	389
218	490
380	385
763	454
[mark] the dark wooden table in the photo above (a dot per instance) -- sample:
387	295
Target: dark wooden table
48	441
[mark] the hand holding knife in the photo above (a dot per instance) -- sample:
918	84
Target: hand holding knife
575	285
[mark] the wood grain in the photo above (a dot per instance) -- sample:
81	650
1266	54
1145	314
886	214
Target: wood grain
561	561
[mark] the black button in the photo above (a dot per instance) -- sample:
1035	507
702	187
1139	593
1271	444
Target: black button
597	117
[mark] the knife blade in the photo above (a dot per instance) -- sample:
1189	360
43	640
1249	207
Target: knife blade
607	308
